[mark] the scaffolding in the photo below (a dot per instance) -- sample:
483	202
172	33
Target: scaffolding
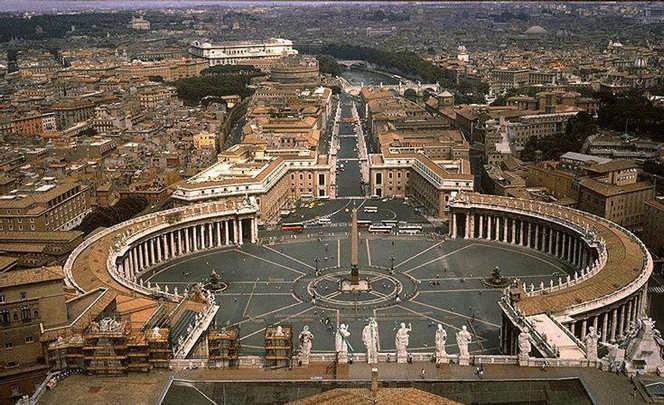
278	345
224	346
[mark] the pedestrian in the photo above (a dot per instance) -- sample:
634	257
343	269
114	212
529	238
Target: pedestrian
423	373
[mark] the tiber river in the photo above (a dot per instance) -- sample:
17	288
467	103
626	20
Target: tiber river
357	77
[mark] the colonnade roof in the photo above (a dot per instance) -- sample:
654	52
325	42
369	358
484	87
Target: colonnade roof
88	268
625	255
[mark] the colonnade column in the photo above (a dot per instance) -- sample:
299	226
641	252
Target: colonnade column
481	227
605	325
225	232
489	222
239	221
621	321
513	231
595	322
171	240
466	227
217	226
614	323
161	253
521	232
537	241
584	328
497	236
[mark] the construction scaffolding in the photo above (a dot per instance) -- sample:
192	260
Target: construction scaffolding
224	346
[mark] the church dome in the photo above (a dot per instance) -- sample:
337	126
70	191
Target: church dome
535	30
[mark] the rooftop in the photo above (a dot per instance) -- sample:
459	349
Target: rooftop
31	276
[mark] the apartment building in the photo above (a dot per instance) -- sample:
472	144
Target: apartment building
613	191
48	205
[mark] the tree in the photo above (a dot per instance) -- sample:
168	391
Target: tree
328	65
216	82
411	95
123	210
631	112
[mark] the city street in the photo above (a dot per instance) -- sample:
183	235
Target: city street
349	174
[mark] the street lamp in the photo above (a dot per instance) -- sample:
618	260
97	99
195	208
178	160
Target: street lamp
391	264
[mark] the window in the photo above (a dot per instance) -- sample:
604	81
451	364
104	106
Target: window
4	316
9	345
2	299
29	339
25	313
23	295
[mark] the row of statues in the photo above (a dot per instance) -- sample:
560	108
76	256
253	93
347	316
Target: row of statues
371	340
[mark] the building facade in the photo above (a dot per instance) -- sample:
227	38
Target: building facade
47	207
29	299
261	54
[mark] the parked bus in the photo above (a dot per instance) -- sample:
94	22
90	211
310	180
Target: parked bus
408	232
284	213
390	222
406	228
375	228
292	227
363	223
370	209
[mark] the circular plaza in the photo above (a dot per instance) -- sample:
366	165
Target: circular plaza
423	280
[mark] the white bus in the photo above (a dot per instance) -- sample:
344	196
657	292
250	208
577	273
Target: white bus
410	228
370	209
376	228
408	232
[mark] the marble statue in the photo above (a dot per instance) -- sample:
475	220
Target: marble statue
279	331
371	341
524	345
155	333
591	340
401	342
615	357
306	338
463	338
341	343
76	339
440	340
643	353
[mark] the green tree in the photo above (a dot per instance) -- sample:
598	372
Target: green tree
328	64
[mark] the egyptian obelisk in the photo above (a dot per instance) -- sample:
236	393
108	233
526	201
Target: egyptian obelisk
354	240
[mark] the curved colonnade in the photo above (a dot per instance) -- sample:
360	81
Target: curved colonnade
118	256
612	266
